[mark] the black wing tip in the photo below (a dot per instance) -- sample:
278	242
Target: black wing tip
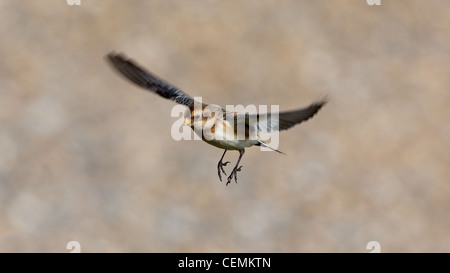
113	55
322	101
118	58
317	105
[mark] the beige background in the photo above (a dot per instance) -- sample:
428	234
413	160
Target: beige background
86	156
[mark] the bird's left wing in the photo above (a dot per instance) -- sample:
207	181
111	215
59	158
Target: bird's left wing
147	80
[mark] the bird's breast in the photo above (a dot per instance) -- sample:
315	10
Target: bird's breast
231	144
222	135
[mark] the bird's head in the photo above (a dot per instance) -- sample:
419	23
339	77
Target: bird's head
200	117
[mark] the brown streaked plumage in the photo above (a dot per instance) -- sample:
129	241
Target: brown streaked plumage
220	131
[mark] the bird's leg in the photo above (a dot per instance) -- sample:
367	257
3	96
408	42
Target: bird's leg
236	168
220	166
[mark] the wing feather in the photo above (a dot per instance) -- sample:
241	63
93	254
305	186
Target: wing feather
272	122
147	80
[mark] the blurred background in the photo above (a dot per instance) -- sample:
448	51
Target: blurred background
86	156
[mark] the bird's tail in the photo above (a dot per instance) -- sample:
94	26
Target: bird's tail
262	143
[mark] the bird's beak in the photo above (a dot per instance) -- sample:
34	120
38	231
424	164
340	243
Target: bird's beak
187	121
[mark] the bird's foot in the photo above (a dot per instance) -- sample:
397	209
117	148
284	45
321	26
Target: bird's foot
220	168
233	174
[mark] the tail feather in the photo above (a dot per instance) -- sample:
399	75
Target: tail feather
261	143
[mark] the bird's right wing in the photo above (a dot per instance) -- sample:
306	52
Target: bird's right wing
147	80
271	122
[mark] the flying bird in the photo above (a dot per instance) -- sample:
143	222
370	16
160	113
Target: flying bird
211	122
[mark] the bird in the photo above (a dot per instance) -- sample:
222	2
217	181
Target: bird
211	122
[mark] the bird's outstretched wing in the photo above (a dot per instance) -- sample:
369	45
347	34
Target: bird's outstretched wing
147	80
271	122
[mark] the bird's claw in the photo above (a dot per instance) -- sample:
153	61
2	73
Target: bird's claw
233	174
220	168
